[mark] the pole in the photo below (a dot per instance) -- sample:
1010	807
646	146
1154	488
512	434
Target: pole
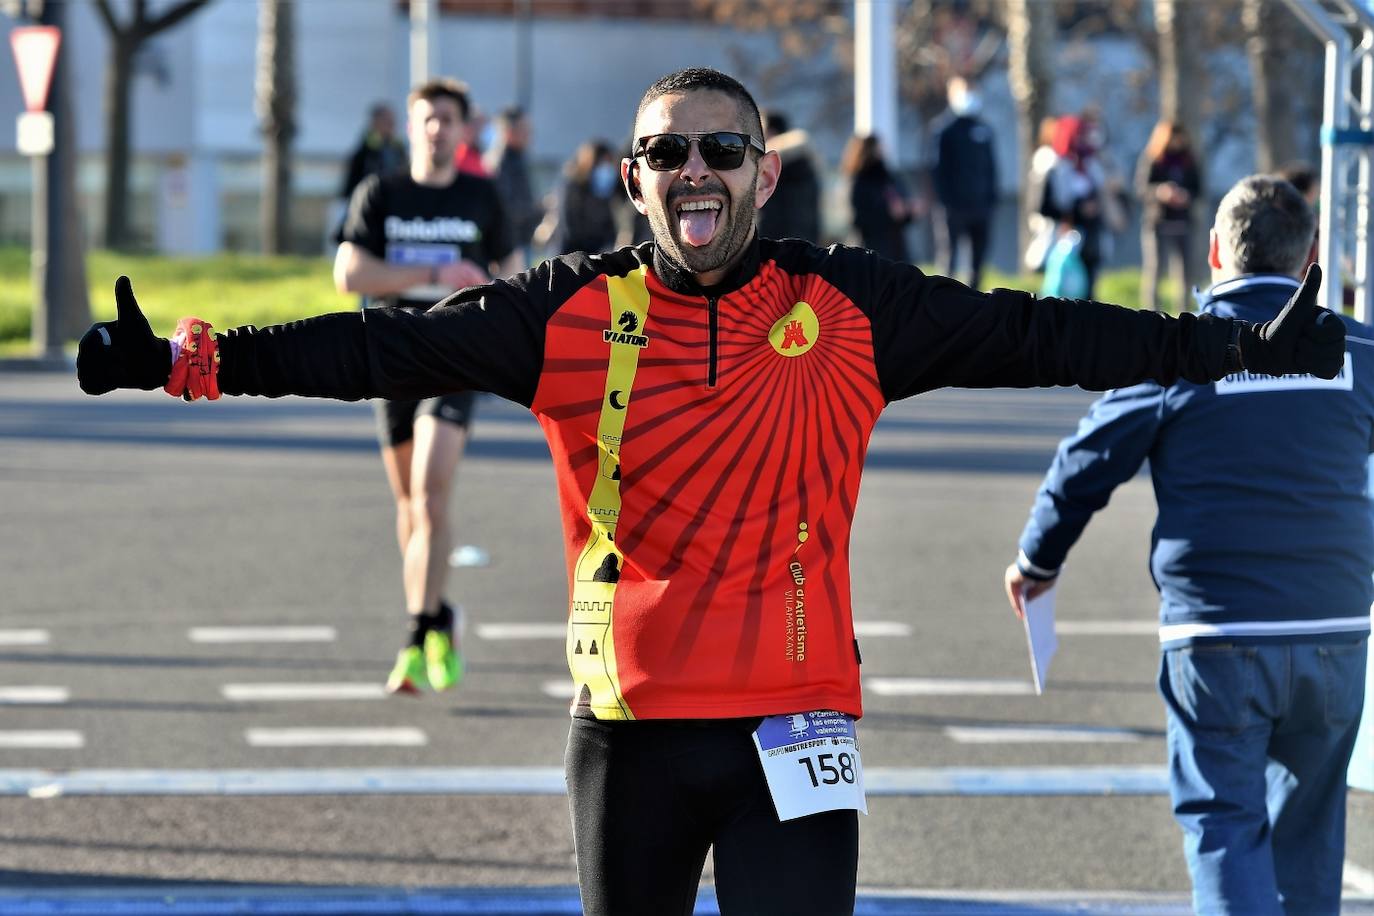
424	50
49	204
524	56
875	72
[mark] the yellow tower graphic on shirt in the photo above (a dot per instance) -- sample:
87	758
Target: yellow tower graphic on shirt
591	632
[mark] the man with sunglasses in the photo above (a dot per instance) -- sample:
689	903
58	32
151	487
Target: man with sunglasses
707	398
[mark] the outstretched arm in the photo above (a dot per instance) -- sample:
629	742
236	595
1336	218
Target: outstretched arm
932	332
487	338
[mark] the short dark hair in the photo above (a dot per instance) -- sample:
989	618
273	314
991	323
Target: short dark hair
776	122
511	114
1300	175
1265	226
442	87
696	79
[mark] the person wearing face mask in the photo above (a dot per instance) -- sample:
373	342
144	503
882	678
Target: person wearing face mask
583	215
1074	192
963	170
708	397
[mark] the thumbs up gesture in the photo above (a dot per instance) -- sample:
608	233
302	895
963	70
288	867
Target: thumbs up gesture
123	353
1304	338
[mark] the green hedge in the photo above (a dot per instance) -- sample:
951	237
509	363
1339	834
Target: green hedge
231	290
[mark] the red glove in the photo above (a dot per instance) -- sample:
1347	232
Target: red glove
195	368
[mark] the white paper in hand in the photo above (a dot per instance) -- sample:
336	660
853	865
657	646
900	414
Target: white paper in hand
1040	635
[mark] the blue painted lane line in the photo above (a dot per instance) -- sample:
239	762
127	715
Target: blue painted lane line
276	900
560	901
894	781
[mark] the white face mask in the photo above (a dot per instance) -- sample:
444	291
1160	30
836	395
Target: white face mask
603	179
968	104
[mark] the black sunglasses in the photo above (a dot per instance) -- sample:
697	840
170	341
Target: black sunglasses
721	150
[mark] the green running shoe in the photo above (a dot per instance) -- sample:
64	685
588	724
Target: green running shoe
408	674
443	663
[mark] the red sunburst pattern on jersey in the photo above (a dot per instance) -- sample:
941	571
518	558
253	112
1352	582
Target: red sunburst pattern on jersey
716	480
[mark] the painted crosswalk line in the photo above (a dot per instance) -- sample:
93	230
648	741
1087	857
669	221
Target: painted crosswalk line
1106	627
946	686
23	695
49	739
286	693
262	634
25	637
336	737
1040	734
554	630
500	631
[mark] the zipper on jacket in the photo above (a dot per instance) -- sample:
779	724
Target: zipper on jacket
711	321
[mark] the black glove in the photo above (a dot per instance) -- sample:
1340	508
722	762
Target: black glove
122	353
1303	338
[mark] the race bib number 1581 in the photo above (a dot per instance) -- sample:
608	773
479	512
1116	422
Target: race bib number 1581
811	761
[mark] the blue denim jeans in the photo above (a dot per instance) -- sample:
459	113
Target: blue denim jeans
1259	740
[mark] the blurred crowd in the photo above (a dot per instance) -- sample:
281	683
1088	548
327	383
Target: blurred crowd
1082	202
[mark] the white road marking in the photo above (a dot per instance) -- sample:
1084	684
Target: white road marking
251	693
1037	734
871	628
33	694
336	737
263	635
1107	627
1358	879
941	686
50	738
24	637
551	630
549	780
559	690
522	630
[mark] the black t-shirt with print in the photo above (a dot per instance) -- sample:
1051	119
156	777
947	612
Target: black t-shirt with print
403	222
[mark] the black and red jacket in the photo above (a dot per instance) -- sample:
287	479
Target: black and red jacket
708	443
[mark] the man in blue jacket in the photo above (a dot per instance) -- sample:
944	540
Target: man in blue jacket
1262	552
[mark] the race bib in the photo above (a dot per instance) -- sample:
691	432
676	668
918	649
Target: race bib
811	761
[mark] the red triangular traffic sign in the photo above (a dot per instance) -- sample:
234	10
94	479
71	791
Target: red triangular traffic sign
35	52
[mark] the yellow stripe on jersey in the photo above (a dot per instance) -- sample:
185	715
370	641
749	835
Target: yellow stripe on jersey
591	644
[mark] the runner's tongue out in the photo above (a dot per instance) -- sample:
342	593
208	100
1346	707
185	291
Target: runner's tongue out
697	226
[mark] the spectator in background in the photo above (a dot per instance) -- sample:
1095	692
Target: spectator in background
964	174
1262	554
379	151
1040	228
467	158
794	210
508	166
877	199
582	217
1167	182
1303	177
1074	191
1117	194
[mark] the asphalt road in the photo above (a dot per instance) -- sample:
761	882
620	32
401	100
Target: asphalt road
130	520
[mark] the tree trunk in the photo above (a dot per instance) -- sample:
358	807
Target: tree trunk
118	110
1282	56
1030	40
276	108
1182	87
1182	78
